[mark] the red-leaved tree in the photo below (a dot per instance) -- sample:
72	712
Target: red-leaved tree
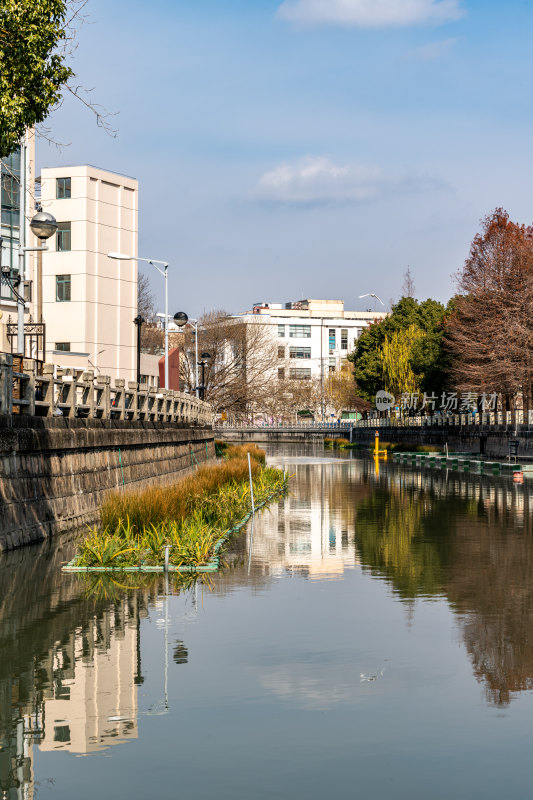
491	331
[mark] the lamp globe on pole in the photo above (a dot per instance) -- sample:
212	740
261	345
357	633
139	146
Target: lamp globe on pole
181	318
43	225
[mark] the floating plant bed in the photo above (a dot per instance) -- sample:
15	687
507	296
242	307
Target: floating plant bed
180	528
211	566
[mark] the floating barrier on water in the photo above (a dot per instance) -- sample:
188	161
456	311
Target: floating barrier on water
462	461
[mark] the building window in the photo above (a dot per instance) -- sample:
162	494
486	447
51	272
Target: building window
63	237
300	373
344	339
281	352
300	331
332	338
281	330
332	365
300	352
63	346
62	188
10	172
62	288
281	374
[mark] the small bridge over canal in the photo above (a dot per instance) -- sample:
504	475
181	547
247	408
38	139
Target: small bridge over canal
487	435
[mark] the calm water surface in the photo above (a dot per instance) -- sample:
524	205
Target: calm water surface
371	637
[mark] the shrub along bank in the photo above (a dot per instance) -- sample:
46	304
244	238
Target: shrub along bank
190	517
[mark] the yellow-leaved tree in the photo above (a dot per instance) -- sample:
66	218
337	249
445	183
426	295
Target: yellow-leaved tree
395	357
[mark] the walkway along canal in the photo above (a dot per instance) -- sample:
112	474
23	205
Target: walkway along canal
371	635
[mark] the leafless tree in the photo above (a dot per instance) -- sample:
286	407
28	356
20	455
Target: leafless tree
145	299
340	391
240	369
408	288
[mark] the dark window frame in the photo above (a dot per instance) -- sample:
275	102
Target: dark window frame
63	188
300	352
299	331
63	288
64	237
344	338
297	374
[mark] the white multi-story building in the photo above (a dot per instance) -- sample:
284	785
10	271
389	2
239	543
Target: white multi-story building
313	336
90	300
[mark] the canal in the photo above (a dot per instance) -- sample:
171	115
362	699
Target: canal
370	637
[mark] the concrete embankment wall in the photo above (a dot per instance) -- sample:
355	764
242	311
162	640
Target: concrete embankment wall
489	440
54	474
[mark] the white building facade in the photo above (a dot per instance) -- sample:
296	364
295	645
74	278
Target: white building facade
90	300
313	337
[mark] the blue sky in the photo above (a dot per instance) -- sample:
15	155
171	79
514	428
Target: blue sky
308	148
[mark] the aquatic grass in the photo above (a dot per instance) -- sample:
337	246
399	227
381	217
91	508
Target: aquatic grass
341	443
158	504
191	518
241	451
106	549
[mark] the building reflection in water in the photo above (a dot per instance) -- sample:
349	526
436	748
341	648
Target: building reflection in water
91	699
312	531
69	666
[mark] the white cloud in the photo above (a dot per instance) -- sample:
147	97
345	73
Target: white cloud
316	180
370	13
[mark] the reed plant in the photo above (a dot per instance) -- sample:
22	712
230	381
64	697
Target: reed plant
190	517
341	443
242	450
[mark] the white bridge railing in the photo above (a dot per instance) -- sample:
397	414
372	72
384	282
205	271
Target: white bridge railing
505	418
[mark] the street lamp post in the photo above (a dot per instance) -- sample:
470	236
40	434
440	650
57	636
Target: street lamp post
183	315
139	321
203	364
163	270
43	225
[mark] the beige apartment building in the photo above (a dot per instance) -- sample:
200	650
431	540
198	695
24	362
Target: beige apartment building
90	300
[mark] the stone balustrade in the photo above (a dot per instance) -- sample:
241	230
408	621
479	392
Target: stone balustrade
26	390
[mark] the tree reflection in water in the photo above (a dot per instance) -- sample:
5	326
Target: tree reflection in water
468	539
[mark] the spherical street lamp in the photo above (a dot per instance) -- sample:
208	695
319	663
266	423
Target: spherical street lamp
43	225
181	318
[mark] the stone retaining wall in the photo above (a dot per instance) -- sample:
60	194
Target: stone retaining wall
491	441
54	474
